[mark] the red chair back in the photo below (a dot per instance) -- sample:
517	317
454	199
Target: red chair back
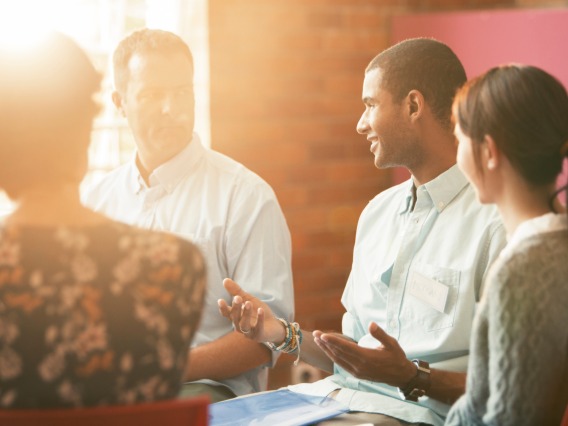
182	412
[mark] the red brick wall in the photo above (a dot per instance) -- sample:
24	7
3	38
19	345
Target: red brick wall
285	99
286	81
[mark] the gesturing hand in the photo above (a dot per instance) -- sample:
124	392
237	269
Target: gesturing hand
250	316
387	363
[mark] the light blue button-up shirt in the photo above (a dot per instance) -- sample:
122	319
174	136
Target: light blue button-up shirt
230	213
447	237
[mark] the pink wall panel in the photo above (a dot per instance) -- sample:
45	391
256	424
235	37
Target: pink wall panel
483	39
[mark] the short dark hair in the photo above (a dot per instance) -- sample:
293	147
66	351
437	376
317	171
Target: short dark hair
47	109
145	40
525	110
426	65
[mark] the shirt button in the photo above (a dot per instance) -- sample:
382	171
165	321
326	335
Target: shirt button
392	324
416	220
441	204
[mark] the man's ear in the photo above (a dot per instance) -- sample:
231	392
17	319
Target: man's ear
491	153
415	102
117	101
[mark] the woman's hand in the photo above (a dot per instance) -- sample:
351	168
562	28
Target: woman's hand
250	316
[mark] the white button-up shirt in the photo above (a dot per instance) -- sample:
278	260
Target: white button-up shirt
229	212
449	238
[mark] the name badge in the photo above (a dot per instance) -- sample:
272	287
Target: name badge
429	291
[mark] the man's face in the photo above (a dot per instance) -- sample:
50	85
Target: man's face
386	124
159	104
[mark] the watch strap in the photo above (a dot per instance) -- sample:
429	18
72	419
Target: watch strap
419	384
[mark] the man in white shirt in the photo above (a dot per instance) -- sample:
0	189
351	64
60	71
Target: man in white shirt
175	184
421	252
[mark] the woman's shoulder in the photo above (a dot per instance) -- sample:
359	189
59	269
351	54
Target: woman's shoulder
536	265
548	250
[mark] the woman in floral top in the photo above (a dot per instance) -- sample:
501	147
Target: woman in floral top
91	311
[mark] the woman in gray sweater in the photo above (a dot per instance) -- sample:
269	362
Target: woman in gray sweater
512	128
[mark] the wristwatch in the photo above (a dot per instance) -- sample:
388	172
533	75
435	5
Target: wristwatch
419	384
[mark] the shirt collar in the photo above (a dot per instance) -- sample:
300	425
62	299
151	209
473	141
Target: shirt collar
134	181
407	201
169	174
442	189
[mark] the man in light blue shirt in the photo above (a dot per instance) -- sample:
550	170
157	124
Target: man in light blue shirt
421	253
175	184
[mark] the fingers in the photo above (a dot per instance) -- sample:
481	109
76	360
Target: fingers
252	326
336	347
341	348
260	319
236	310
330	351
322	345
233	288
243	312
224	309
381	335
346	354
249	315
246	322
233	312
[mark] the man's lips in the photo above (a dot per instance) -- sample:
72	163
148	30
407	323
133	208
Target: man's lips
374	145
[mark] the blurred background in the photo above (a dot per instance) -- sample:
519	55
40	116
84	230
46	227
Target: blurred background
278	88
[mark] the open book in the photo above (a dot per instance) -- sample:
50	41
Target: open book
276	408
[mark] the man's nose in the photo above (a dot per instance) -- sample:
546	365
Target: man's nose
362	125
169	104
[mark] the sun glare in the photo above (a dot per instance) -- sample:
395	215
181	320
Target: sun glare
25	23
20	24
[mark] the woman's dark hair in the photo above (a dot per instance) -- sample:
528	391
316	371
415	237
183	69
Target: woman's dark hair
46	113
525	110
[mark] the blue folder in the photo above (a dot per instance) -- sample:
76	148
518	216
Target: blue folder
277	408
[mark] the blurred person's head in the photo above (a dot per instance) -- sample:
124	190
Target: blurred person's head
153	78
408	92
517	114
47	109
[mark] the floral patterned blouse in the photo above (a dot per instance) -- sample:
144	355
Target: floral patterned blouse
95	315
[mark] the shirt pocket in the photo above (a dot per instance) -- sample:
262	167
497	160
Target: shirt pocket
430	318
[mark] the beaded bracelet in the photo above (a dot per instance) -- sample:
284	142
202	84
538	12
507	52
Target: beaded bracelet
291	342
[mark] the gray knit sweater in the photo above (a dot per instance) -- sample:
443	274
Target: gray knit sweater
518	367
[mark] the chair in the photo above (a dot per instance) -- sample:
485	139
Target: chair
565	418
186	412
